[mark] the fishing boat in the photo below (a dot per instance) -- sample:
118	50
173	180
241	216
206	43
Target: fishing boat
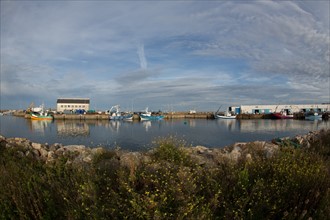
115	114
227	115
313	116
41	116
39	113
282	115
149	116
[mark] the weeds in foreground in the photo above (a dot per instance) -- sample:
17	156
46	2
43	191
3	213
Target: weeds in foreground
292	184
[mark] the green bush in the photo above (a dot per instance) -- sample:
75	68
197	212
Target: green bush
292	184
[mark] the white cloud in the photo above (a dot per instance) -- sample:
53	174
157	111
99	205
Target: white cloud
198	52
142	57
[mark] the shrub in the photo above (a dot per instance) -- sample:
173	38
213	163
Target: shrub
293	183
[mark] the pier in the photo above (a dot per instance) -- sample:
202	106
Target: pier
201	115
177	115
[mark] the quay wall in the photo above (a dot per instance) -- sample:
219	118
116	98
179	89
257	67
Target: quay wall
81	117
205	115
135	116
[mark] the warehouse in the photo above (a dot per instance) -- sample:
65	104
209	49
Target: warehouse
267	109
72	104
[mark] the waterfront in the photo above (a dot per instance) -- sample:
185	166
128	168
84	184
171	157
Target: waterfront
138	135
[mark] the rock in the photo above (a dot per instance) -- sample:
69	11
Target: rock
35	153
203	156
55	146
51	155
248	157
234	154
270	149
88	159
36	146
201	149
97	150
131	158
79	148
43	153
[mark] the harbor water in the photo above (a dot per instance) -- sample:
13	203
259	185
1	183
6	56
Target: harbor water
140	135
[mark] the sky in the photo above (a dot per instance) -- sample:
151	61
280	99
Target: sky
165	55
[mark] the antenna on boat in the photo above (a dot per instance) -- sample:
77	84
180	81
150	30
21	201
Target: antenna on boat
218	109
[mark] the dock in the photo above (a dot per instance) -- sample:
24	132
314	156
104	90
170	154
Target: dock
180	115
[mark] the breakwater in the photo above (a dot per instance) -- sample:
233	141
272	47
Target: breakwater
202	155
203	115
170	181
178	115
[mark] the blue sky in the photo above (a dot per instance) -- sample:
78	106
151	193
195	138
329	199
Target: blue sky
168	55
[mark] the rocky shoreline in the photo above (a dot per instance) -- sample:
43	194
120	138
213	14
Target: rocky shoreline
80	154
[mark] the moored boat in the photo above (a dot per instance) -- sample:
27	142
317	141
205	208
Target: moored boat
39	113
280	115
148	116
117	115
313	116
151	117
227	115
41	116
283	114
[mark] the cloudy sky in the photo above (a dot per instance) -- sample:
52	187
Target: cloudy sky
168	55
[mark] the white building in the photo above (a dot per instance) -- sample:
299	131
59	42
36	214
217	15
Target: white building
267	109
72	104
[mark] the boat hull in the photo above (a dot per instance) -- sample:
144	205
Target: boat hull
122	117
151	117
226	117
314	116
281	116
41	117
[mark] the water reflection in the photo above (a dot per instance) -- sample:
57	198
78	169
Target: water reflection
72	128
136	135
230	124
147	125
278	125
115	125
38	126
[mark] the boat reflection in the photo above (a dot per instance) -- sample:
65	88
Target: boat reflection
115	125
146	125
230	124
38	126
265	125
72	128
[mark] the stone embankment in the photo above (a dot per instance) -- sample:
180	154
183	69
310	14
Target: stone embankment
80	154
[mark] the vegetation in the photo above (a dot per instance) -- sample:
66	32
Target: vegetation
293	184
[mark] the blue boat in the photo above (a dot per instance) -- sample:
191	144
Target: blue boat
313	116
148	116
115	114
151	117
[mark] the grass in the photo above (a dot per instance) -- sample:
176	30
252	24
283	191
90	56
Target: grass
292	184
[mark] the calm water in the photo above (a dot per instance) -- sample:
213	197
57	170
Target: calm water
138	135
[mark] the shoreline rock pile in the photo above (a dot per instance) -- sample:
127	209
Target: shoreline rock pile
204	156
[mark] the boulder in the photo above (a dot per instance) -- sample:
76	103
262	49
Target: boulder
36	146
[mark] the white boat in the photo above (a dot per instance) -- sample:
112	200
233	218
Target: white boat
313	116
148	116
227	115
115	114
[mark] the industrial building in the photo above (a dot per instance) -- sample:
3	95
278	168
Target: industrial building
268	109
72	104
